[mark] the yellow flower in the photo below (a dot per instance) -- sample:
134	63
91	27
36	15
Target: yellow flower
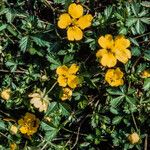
74	21
145	73
13	129
39	100
114	77
5	94
134	138
28	124
67	93
113	50
67	76
13	146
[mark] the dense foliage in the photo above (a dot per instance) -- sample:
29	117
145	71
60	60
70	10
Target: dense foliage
74	74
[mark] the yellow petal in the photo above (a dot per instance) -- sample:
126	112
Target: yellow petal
62	70
145	74
118	73
100	53
84	21
73	81
121	42
67	93
106	41
23	129
108	60
73	69
114	77
21	122
74	33
123	55
75	10
62	81
64	21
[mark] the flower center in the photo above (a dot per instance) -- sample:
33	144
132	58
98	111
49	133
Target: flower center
74	22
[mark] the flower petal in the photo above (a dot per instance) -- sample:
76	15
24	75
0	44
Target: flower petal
74	33
75	10
62	81
84	21
114	77
108	60
106	41
123	55
62	70
73	69
100	53
23	129
121	42
67	93
64	21
73	81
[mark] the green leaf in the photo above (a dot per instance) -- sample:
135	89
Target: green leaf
68	59
117	120
131	21
24	43
65	109
145	3
3	26
139	27
147	54
108	12
53	59
50	130
146	85
2	125
114	91
131	100
134	41
114	111
136	51
116	101
39	41
53	106
12	30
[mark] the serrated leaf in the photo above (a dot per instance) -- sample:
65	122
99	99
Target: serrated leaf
139	27
24	43
53	106
131	100
50	130
53	59
147	55
40	42
134	41
3	26
136	51
145	3
2	125
146	85
114	91
116	101
65	108
117	120
68	59
108	12
114	110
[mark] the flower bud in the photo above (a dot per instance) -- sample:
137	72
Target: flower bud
5	94
44	78
13	129
134	138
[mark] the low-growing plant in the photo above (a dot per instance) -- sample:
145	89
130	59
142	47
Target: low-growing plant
74	74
